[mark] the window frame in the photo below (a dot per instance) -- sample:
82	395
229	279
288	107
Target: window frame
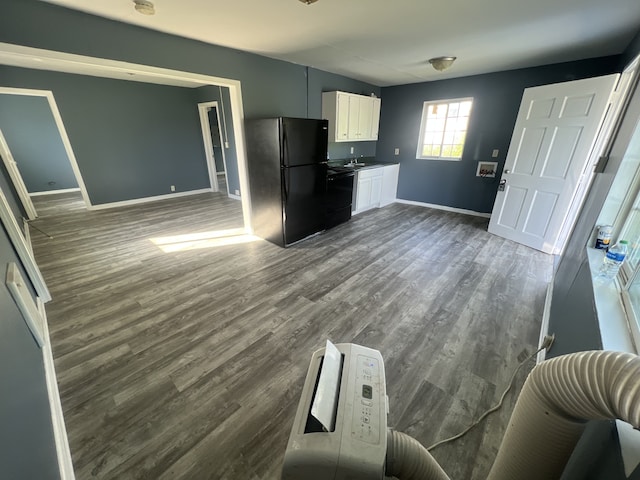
621	225
423	124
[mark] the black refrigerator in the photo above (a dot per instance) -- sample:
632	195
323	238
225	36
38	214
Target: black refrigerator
287	167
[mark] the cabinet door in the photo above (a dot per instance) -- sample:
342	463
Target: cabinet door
354	110
389	184
376	190
342	118
365	116
375	118
363	197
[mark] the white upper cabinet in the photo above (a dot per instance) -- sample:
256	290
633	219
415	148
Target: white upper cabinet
352	118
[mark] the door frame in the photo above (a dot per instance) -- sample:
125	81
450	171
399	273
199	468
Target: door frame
48	95
205	124
22	249
16	178
107	68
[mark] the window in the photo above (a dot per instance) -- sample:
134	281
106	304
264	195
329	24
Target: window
443	129
623	204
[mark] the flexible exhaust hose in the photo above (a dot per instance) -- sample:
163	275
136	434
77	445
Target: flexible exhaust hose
407	459
557	399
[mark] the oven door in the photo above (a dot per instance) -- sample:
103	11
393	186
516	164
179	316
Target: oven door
338	198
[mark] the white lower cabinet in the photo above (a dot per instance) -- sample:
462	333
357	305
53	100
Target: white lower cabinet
375	187
389	184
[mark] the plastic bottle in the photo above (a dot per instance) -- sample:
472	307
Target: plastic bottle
613	260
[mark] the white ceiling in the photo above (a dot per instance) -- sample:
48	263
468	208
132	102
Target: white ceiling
387	42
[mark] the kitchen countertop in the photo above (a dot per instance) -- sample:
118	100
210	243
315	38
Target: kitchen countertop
369	162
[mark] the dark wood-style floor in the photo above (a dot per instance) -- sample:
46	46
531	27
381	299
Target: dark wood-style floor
189	364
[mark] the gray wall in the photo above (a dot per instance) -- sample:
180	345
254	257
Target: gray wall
27	446
497	99
35	143
269	88
130	139
632	51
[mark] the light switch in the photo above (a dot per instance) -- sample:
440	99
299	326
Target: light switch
396	151
495	153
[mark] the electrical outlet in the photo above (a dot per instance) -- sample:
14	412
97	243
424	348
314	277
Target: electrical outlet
495	153
548	341
173	188
351	150
396	151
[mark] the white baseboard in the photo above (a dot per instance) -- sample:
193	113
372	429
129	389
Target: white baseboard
235	197
63	451
54	192
155	198
444	207
544	328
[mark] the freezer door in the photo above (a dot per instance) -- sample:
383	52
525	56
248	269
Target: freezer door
304	191
304	141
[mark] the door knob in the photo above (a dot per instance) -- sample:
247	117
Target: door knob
507	170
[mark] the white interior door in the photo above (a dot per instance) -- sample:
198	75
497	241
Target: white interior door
549	154
16	178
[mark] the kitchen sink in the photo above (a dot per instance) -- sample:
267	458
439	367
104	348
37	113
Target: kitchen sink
355	164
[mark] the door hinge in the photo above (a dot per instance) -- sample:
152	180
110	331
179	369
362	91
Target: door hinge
602	163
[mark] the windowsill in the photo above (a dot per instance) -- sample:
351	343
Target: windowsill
444	159
615	335
614	329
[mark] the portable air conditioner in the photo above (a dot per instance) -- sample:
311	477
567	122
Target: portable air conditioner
340	428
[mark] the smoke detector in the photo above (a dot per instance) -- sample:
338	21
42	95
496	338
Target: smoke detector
308	2
144	7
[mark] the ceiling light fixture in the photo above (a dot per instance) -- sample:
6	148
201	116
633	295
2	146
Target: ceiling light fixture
441	63
144	7
308	2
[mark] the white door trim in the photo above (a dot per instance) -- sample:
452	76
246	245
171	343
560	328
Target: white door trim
203	110
65	463
48	94
67	62
24	252
208	145
16	178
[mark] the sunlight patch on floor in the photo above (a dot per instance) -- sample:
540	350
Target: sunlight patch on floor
194	241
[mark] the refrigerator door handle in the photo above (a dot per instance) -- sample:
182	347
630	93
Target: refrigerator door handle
285	184
285	146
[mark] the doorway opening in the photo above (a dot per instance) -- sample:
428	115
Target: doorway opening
215	144
37	108
39	59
